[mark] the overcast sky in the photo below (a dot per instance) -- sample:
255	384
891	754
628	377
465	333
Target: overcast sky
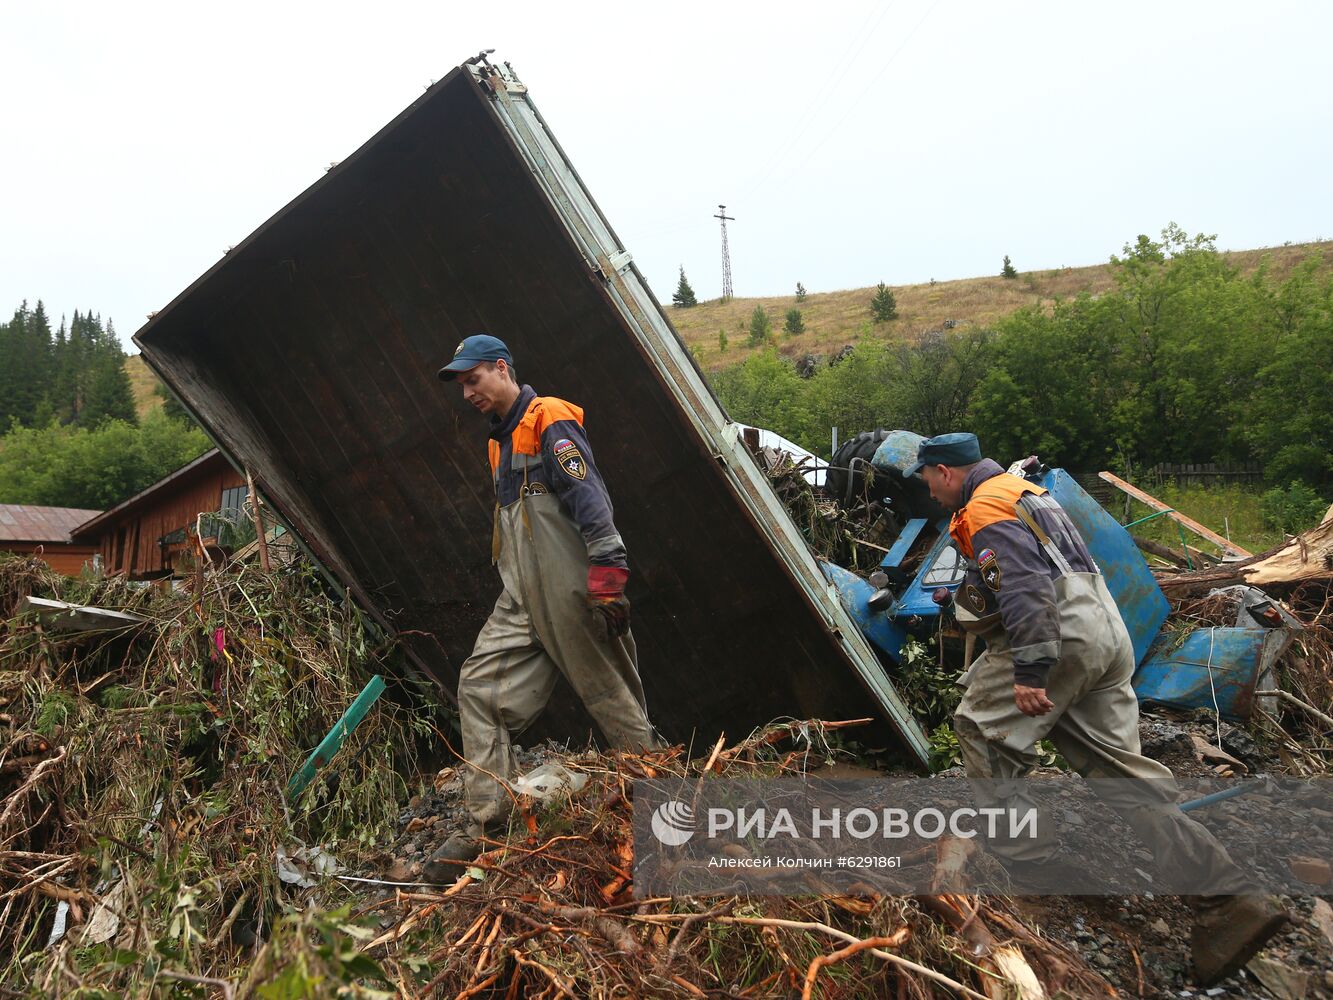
853	142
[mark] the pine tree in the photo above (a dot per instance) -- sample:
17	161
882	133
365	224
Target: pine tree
684	296
794	326
8	375
25	365
800	292
1008	270
883	307
721	340
109	395
170	404
761	328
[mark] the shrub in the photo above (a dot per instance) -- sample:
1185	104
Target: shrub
1293	509
794	325
761	328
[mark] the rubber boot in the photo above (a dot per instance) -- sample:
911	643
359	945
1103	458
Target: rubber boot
451	857
1231	930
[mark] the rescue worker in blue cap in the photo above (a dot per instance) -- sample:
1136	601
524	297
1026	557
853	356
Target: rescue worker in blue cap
563	609
1058	663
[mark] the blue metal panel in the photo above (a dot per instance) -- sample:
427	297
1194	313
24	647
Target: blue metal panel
899	549
854	592
1142	604
1213	666
917	600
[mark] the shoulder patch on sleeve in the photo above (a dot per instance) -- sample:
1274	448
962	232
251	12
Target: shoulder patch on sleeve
569	458
988	564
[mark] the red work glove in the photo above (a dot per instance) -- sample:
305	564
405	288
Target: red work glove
606	597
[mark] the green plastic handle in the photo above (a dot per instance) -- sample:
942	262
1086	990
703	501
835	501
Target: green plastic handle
333	742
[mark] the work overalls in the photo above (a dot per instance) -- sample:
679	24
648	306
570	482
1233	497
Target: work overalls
1094	723
542	626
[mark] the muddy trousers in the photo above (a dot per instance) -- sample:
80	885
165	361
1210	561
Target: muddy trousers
540	630
1094	725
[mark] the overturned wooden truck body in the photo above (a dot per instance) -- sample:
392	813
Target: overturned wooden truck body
310	354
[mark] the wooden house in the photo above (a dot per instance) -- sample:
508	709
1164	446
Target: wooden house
150	535
46	532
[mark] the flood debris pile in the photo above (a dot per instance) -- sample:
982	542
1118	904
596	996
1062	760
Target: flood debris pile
142	777
855	537
549	911
1292	712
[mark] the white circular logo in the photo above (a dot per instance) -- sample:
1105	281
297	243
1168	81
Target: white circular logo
673	823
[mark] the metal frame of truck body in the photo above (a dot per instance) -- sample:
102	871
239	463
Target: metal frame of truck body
309	353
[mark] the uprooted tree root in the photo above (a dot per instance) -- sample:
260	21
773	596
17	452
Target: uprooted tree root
549	911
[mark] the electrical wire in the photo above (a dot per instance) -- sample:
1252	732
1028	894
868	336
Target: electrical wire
852	105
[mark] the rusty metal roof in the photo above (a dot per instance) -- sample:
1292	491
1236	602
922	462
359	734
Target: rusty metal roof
23	523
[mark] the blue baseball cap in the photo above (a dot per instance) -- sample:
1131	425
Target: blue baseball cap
473	351
946	449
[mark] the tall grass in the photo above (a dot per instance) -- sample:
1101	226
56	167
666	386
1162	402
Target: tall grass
1235	509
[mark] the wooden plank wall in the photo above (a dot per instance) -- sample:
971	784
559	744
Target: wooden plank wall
67	559
130	544
352	298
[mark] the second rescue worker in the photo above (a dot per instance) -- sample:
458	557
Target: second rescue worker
563	609
1059	663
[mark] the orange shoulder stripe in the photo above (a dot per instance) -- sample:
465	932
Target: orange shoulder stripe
992	502
549	410
542	412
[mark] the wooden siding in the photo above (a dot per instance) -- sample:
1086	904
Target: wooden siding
129	544
63	558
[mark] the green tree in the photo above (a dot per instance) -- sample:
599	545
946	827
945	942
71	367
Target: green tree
110	396
853	395
800	292
65	465
883	307
1051	386
1007	271
1287	419
793	325
683	297
761	328
721	340
26	365
765	391
1294	509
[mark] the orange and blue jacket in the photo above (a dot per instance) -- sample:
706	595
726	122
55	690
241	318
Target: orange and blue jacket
1008	569
540	447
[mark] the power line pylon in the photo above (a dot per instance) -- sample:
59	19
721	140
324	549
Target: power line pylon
726	254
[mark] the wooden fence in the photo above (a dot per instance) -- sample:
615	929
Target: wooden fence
1209	474
1189	474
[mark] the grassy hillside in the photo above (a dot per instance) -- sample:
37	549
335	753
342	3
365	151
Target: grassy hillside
144	384
833	319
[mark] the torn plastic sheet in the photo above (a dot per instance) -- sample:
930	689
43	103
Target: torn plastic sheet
549	779
305	866
58	927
